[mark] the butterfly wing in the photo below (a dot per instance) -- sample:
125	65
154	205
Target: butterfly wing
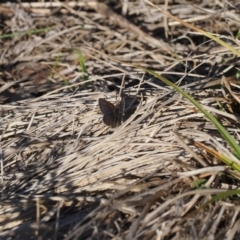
108	111
109	120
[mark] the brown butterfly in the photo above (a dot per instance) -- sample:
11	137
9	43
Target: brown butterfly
112	116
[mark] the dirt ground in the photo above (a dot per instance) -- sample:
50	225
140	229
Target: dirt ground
94	147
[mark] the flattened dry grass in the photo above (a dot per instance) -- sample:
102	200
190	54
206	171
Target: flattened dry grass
64	173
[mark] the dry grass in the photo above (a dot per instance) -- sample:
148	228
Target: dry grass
64	173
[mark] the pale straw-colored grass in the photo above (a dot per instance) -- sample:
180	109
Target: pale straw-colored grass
64	173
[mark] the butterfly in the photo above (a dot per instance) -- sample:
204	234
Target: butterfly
112	115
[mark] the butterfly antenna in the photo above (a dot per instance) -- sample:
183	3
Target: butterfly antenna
122	85
123	103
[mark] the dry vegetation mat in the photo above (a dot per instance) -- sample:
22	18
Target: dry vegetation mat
94	147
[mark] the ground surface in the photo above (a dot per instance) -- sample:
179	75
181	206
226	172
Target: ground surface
66	174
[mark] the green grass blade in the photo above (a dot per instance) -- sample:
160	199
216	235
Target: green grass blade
82	65
229	139
190	26
217	197
30	32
